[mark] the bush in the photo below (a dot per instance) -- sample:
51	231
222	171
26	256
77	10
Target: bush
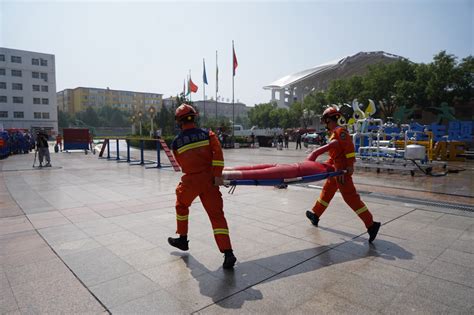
148	144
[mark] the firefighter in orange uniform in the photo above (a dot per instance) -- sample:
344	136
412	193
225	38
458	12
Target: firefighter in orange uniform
200	156
342	156
59	142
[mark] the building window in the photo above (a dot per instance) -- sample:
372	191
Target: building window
3	85
44	62
4	114
17	100
36	88
45	101
35	62
37	115
16	73
45	115
18	114
35	75
44	76
17	86
2	71
3	99
2	57
44	88
16	59
36	100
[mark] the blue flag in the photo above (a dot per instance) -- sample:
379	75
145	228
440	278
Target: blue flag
204	76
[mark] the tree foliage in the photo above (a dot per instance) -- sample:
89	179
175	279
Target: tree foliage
397	85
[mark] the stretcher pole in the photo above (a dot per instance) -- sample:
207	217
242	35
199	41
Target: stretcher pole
275	182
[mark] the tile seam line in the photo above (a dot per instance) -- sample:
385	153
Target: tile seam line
296	265
59	257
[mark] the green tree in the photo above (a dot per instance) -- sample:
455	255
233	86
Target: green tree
442	80
316	101
338	92
64	119
89	117
260	115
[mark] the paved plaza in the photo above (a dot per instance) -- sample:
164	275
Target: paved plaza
89	236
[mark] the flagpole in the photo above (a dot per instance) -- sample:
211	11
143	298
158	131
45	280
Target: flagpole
190	92
233	74
204	89
217	81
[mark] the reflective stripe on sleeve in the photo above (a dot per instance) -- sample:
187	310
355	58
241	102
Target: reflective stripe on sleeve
217	163
193	146
350	155
363	209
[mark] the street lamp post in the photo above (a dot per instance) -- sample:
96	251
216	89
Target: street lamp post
140	114
152	111
132	120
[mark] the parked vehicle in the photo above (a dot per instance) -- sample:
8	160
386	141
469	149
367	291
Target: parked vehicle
316	138
264	137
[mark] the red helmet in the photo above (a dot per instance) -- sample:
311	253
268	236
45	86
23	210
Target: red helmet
329	113
184	111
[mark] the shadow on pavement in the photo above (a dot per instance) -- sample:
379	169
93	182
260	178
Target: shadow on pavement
231	282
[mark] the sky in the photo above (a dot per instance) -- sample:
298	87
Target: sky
152	46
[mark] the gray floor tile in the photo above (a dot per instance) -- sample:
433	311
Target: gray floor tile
148	258
377	272
370	294
20	242
463	246
201	290
62	234
116	237
124	289
99	226
327	303
405	303
97	265
7	299
36	271
446	292
41	253
448	271
235	304
41	291
458	257
159	302
73	247
180	271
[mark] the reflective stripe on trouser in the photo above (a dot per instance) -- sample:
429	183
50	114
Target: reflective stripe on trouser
350	196
327	193
192	186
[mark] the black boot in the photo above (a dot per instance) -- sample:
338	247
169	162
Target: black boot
312	217
180	242
373	230
229	259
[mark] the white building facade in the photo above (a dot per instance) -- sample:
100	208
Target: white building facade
28	90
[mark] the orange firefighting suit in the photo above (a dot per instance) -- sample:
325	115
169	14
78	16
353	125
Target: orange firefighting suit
199	154
342	156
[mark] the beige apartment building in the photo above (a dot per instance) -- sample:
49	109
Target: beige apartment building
79	99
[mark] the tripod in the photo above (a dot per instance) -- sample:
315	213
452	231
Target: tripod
34	161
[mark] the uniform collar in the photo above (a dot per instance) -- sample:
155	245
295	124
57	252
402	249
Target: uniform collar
187	126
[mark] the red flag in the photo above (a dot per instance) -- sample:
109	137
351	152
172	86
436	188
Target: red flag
235	60
193	87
